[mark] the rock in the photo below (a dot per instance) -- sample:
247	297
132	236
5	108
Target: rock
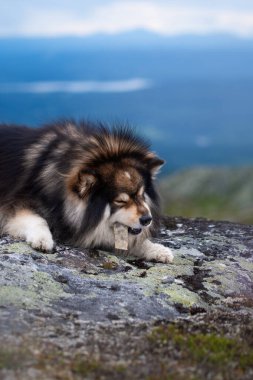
77	301
168	280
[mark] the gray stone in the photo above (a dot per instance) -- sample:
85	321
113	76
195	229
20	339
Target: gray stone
214	261
59	297
168	280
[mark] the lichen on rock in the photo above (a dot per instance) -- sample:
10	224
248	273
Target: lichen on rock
65	297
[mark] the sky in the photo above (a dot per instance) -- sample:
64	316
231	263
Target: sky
52	18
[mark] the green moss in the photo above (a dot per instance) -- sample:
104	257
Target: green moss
216	349
246	265
211	349
14	295
183	296
112	265
20	247
85	367
120	368
48	288
12	358
246	361
173	376
35	291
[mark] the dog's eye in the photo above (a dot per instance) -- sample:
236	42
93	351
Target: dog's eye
120	202
122	199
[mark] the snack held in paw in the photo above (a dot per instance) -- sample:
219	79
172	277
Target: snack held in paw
120	237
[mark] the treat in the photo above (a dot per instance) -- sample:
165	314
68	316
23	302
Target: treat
121	237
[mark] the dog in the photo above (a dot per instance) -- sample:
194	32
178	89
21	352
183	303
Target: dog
72	181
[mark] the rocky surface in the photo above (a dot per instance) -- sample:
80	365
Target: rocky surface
90	314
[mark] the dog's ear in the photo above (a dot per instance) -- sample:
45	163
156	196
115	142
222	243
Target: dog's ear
154	164
86	180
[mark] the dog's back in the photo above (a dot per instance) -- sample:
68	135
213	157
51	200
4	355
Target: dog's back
13	142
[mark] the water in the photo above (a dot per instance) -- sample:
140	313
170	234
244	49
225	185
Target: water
194	104
75	87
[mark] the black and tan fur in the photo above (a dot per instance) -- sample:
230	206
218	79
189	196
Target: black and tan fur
74	181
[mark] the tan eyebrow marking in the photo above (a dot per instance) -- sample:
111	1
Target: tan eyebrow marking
127	175
123	197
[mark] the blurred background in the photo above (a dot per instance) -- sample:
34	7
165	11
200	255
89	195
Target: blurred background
180	72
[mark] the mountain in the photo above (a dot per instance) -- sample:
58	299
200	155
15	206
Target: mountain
216	193
136	38
196	108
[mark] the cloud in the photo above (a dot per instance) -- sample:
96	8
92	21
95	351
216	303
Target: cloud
129	85
162	17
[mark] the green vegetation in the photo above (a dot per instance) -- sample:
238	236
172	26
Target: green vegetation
56	362
216	351
215	193
170	351
13	358
110	265
84	367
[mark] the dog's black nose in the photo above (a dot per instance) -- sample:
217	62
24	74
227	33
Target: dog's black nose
145	220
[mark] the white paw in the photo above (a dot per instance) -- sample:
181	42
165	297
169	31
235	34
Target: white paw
40	238
164	255
157	252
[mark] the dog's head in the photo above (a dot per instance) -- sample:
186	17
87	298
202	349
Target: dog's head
120	191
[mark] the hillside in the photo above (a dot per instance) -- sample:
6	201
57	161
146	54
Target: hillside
216	193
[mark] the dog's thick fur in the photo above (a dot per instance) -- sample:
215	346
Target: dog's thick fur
73	181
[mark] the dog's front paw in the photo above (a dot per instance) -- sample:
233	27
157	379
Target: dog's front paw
156	252
163	254
40	239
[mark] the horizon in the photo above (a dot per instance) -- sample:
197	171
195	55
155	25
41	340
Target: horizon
143	39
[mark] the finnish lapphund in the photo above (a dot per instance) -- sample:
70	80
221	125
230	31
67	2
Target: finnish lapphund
71	182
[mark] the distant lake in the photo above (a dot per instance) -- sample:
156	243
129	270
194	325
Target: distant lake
75	87
195	105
